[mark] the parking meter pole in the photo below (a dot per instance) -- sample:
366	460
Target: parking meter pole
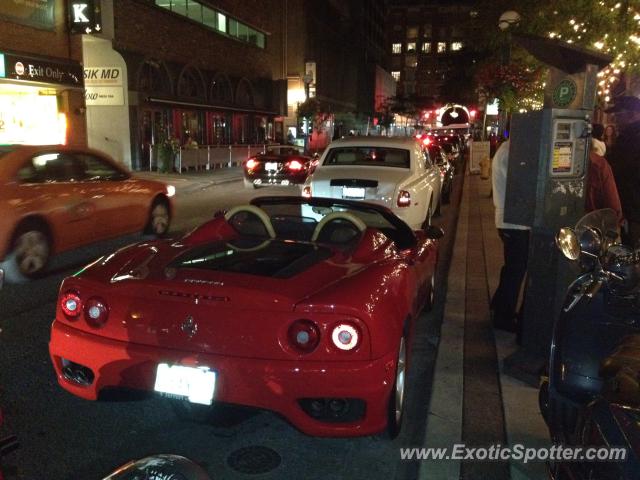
546	183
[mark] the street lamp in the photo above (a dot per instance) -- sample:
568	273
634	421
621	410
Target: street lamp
507	19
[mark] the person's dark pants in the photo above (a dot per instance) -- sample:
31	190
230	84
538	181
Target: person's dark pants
505	299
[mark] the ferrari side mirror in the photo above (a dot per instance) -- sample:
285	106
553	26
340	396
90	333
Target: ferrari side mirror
433	232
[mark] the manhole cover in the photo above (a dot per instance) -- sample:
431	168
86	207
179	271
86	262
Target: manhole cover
254	460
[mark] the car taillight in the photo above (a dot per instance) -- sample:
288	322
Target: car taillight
71	304
306	191
304	335
251	164
404	198
96	312
345	336
295	165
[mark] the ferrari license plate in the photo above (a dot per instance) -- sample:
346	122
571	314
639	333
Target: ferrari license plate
196	384
271	166
356	193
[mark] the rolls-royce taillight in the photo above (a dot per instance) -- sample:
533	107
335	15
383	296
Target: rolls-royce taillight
295	165
251	164
404	198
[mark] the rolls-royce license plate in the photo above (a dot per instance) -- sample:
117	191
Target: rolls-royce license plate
271	166
197	384
354	193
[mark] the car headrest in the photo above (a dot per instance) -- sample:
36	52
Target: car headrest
338	228
250	220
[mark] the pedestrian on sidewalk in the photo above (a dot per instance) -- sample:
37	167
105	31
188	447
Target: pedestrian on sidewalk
625	162
601	185
515	241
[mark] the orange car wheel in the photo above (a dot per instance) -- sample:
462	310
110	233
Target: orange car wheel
31	249
159	218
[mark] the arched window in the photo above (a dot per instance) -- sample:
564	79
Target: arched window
244	93
154	78
220	91
190	83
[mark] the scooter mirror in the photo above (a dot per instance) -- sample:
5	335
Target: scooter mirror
567	242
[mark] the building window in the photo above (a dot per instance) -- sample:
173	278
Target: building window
427	29
411	47
411	61
396	76
456	46
214	20
426	47
442	47
396	48
410	74
412	32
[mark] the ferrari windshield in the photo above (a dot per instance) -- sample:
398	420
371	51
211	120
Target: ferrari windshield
369	156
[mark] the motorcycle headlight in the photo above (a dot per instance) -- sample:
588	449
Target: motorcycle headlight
567	242
591	241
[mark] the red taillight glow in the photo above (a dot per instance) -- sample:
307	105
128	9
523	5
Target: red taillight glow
295	165
306	191
404	198
251	164
71	304
304	335
345	336
426	141
96	312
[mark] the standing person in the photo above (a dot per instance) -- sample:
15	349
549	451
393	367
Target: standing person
515	240
601	186
597	139
625	162
609	136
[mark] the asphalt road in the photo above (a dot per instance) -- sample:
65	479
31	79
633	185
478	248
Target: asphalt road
65	438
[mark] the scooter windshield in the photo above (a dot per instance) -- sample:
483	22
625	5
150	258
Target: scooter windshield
603	220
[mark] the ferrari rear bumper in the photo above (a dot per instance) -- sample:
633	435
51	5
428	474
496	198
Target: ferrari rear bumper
279	386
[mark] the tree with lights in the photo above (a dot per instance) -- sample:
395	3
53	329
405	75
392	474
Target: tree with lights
608	26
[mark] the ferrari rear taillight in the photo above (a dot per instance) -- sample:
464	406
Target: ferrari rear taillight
345	336
306	191
251	164
304	335
71	304
404	198
96	312
295	165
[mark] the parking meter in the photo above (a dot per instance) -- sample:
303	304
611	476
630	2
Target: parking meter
546	178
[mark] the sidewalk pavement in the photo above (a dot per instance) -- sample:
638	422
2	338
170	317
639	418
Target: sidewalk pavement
189	182
473	402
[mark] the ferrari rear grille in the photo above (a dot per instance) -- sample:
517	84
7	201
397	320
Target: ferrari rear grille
195	296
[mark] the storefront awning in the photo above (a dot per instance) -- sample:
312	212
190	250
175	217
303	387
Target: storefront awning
208	105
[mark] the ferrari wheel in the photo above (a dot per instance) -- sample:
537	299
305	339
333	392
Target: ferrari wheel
159	218
431	294
31	250
397	398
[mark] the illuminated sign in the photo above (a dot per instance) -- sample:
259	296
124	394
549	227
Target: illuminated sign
29	115
34	69
103	86
2	75
84	16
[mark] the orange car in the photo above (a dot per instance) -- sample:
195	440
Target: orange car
56	198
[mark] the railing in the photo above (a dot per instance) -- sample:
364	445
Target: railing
207	157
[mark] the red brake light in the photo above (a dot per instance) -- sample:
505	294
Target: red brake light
71	304
251	164
96	312
295	165
426	141
404	198
306	191
304	335
345	336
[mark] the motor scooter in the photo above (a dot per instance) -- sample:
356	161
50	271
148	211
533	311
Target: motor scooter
160	467
589	397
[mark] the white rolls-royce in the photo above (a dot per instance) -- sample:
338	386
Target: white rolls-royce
393	171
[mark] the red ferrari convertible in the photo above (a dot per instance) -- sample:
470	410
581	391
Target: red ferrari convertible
301	306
